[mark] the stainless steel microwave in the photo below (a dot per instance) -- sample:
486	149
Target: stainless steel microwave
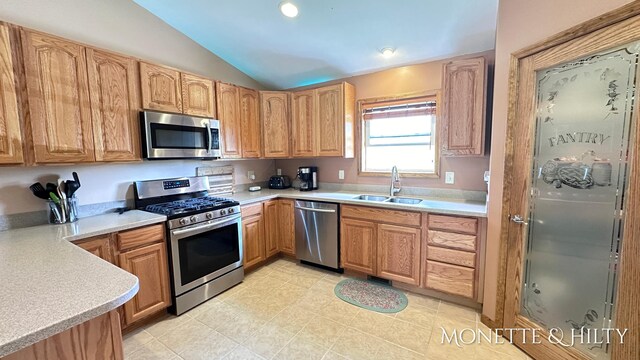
175	136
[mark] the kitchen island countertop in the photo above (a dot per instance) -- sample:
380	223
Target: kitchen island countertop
50	285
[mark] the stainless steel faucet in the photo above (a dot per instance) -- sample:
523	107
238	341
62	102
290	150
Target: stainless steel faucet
395	181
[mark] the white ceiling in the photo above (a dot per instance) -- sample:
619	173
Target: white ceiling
330	39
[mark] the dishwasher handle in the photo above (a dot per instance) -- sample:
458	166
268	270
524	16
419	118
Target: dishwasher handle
315	210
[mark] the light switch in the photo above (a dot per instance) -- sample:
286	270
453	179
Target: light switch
341	174
279	172
251	175
449	177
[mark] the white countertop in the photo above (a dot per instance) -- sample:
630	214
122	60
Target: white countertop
49	285
433	205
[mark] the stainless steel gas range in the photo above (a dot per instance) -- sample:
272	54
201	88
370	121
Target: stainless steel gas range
204	237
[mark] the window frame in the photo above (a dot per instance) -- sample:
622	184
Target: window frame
361	136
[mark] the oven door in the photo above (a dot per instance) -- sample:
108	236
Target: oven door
203	252
179	136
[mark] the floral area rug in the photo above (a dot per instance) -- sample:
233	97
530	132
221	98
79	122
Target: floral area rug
371	296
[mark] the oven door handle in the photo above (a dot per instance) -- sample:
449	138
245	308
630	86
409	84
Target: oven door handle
209	137
202	228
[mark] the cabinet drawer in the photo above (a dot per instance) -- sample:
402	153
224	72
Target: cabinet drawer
406	218
146	235
452	240
451	256
453	223
253	209
451	279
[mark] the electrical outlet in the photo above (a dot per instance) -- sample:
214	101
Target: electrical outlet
251	175
341	174
449	177
279	172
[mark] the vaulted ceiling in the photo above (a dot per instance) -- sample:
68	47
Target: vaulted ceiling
330	39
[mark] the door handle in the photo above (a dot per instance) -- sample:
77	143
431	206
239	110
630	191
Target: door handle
519	220
315	210
209	138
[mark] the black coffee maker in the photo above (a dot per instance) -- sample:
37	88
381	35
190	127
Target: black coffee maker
308	176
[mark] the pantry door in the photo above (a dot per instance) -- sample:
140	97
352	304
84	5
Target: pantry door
572	178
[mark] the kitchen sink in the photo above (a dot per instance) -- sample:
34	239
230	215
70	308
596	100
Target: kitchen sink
400	200
371	197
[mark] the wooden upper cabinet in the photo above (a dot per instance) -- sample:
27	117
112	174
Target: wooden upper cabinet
275	123
358	245
228	99
161	88
115	103
197	96
250	131
303	123
271	227
58	94
335	131
399	253
287	226
10	134
463	108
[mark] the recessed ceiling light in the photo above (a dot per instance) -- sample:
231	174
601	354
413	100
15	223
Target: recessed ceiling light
387	52
288	9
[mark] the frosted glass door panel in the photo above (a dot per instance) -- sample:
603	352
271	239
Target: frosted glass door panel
583	116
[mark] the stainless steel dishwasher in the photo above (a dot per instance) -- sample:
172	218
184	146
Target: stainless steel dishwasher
317	239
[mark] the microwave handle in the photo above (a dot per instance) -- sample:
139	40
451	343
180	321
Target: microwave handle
210	145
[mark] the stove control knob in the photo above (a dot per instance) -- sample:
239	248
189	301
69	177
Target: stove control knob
232	210
209	216
223	212
184	221
193	219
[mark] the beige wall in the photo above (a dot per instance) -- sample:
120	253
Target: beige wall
121	26
520	24
407	79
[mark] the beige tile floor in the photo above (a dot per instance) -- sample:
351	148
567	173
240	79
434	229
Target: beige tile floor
289	311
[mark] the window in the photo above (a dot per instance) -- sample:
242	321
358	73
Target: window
401	133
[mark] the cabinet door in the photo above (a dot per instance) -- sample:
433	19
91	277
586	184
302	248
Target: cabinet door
358	245
58	92
399	253
228	98
271	227
275	123
197	96
463	107
253	241
330	132
99	246
115	103
161	88
10	134
287	226
250	130
303	120
150	265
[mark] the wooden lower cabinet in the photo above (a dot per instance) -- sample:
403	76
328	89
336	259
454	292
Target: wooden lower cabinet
452	279
399	253
271	227
150	265
358	245
287	238
142	252
98	338
253	235
99	246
